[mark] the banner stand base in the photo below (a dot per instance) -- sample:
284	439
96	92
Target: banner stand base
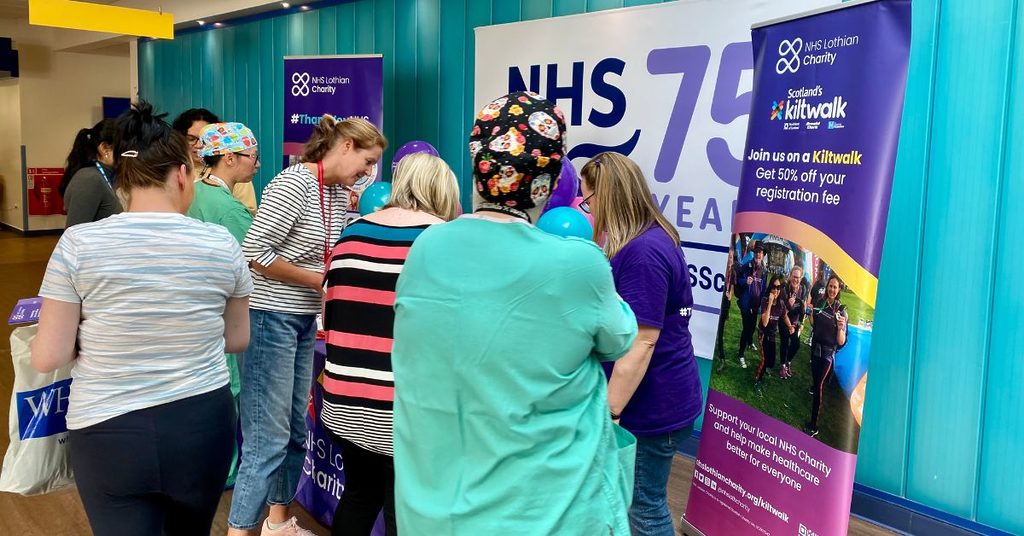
686	529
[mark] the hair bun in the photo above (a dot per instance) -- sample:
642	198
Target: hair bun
327	122
143	112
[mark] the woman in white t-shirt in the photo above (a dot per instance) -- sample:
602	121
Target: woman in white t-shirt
151	420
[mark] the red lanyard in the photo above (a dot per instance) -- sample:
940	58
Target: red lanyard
325	215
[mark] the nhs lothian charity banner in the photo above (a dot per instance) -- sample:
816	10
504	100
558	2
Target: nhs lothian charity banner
779	440
323	472
668	85
343	86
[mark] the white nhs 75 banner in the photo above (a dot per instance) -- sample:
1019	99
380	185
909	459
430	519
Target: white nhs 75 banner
667	85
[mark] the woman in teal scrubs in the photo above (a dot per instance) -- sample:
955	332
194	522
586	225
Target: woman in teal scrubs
501	414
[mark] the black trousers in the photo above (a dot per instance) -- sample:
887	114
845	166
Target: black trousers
789	344
722	317
821	366
747	335
369	487
767	350
159	470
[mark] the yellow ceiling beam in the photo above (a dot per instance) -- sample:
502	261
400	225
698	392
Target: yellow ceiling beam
100	18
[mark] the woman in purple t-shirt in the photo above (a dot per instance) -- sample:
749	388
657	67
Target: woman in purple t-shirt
829	320
655	388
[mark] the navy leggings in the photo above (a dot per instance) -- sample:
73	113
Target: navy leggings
159	470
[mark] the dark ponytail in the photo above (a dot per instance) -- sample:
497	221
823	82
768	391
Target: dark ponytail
86	149
146	149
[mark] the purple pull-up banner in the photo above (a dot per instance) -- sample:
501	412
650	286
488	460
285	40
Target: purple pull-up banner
779	441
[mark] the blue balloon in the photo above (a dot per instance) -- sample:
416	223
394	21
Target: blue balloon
374	197
566	221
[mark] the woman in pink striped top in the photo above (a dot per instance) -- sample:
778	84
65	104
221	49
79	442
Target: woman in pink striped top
359	317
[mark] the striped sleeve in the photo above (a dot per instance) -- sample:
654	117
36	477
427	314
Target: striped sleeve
284	201
57	281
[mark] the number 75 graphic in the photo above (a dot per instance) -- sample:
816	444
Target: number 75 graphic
726	105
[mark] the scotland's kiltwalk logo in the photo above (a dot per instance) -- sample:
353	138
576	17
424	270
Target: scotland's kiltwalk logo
777	108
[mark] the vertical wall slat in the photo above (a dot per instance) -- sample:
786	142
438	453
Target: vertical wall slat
364	35
956	283
885	433
452	119
1000	494
536	9
568	7
477	14
428	73
328	30
385	42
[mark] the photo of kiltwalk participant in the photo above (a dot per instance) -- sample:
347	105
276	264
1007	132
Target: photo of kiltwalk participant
794	341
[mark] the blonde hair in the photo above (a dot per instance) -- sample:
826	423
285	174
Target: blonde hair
329	131
626	208
425	182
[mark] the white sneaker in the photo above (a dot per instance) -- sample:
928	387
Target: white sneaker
290	528
743	362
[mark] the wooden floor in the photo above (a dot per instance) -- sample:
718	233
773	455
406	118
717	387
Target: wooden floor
22	262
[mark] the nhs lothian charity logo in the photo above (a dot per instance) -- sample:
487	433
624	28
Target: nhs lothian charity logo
300	84
789	56
777	107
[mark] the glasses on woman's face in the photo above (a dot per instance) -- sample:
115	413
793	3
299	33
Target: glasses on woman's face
585	204
776	287
192	140
255	157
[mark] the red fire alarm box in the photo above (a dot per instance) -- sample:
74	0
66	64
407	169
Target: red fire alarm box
43	191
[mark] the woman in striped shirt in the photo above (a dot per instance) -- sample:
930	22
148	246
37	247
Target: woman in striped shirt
300	217
359	317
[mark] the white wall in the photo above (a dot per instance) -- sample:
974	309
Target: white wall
61	92
10	153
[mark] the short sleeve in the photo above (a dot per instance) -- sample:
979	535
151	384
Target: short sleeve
243	277
616	325
58	281
642	280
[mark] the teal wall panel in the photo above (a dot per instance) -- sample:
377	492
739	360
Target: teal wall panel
956	285
944	408
536	9
885	431
504	11
452	78
568	7
1000	493
428	72
597	5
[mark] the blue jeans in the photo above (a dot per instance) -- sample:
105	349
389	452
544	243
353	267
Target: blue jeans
276	375
649	515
